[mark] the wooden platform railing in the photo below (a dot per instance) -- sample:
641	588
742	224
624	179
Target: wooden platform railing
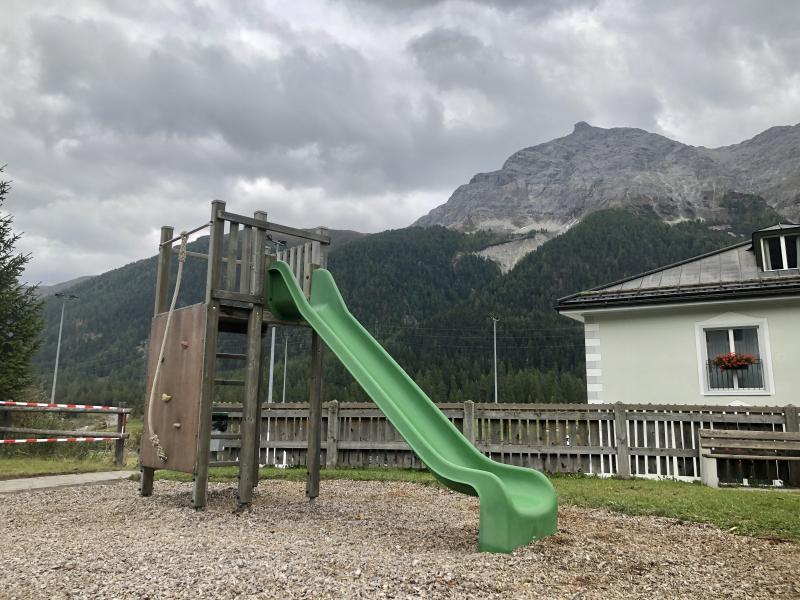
609	439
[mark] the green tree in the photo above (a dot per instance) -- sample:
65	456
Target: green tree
20	321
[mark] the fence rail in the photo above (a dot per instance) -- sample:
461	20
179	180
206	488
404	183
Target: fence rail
641	440
59	435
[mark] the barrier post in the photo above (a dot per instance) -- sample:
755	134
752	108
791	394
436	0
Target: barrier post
119	445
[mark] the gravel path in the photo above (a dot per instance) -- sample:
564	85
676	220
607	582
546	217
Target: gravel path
360	540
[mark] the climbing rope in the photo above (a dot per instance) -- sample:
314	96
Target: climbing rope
162	455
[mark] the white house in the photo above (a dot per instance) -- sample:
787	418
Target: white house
658	337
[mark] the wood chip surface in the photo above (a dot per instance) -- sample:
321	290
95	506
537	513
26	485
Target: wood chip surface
359	540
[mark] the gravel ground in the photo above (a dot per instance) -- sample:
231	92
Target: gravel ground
360	540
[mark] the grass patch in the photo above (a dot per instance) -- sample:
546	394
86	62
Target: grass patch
763	513
14	467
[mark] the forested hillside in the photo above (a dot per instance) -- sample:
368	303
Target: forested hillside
422	294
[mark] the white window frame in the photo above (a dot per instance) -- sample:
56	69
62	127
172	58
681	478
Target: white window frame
734	321
784	256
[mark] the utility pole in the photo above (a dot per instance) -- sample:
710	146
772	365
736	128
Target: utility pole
64	297
494	330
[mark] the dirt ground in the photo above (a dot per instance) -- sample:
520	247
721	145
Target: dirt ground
360	540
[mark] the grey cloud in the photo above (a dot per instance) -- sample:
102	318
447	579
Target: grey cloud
360	114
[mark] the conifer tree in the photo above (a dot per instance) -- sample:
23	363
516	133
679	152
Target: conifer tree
20	321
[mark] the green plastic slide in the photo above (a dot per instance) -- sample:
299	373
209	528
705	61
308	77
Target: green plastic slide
517	505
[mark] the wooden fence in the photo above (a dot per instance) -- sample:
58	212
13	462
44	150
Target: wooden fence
609	439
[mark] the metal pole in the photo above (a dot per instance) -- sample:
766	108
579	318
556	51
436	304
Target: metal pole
494	327
283	391
64	298
271	364
285	360
269	383
58	353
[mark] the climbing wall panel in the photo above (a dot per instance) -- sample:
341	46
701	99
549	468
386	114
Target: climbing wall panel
176	403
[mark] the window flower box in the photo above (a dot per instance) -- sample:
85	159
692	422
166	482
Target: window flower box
732	360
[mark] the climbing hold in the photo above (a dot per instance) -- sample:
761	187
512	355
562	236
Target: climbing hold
166	397
176	425
184	344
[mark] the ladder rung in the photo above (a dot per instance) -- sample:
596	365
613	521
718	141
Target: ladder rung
223	463
231	355
225	436
229	382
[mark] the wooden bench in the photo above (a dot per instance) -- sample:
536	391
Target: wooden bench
744	445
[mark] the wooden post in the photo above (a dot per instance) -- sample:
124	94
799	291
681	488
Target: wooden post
200	482
261	290
251	405
146	474
163	271
623	452
119	445
332	448
469	421
314	419
791	416
233	253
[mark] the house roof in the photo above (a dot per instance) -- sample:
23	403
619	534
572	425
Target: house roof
729	273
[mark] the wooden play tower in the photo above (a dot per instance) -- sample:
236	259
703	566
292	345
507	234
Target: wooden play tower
179	407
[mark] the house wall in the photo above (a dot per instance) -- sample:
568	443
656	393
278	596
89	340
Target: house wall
650	355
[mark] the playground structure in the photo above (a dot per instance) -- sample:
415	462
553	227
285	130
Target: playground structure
181	405
517	505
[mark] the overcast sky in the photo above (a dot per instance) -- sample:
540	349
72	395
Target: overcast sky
117	117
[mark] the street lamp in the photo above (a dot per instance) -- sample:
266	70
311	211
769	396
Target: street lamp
494	331
64	297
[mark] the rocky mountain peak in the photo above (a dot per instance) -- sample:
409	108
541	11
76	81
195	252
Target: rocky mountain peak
553	185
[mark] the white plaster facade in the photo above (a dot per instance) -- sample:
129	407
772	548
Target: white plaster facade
657	354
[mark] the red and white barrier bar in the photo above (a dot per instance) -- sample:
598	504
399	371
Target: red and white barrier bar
66	439
92	407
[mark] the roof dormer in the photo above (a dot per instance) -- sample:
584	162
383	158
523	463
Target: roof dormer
777	247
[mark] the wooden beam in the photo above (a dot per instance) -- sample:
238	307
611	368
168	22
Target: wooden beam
64	433
203	448
293	232
163	272
161	304
332	447
750	456
314	418
791	416
621	438
248	458
245	297
468	426
725	434
247	258
306	281
119	445
233	250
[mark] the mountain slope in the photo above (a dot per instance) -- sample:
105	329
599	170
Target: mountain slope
49	290
423	295
553	185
